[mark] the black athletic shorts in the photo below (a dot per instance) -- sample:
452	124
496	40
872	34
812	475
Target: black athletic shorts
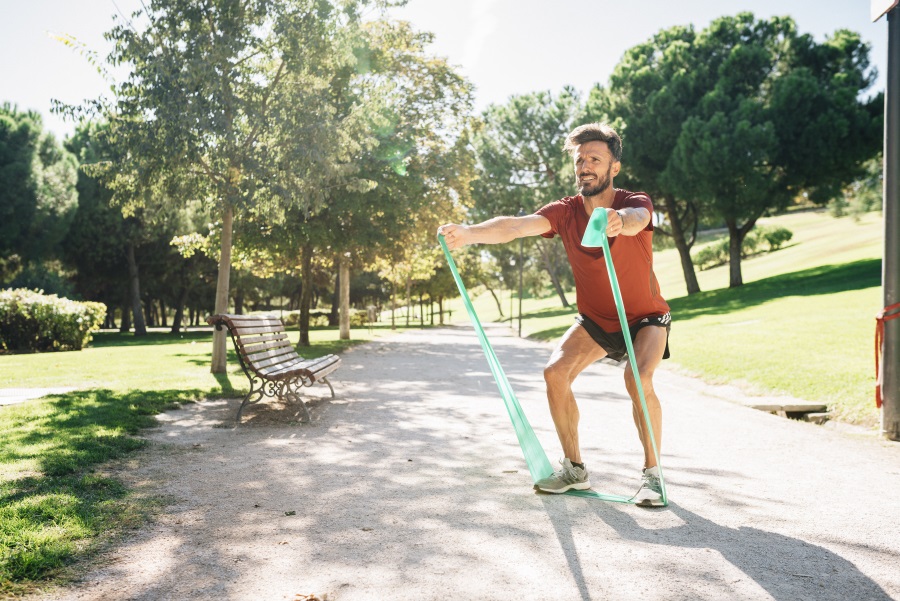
614	343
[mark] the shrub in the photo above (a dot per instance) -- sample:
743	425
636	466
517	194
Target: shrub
33	321
319	319
777	236
712	255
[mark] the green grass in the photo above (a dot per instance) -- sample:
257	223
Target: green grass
55	504
807	333
802	324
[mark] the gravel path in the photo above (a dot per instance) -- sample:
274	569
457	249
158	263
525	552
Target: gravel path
411	485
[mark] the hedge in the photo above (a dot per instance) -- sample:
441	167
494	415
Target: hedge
34	321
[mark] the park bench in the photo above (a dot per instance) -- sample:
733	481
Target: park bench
269	360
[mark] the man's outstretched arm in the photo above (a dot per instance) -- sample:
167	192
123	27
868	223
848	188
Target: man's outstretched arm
494	231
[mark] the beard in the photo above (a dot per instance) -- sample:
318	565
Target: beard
599	187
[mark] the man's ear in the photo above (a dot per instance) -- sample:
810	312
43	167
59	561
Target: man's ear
615	168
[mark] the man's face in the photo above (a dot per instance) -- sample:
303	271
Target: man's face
594	168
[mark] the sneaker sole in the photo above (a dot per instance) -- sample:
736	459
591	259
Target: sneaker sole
575	486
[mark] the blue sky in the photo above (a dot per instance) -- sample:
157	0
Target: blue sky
504	47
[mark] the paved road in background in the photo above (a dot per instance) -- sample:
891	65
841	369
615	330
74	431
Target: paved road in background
411	485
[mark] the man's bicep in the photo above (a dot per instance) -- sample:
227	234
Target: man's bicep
532	225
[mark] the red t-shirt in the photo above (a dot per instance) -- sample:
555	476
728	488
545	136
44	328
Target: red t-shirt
632	257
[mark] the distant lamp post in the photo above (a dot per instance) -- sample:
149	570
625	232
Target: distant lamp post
521	213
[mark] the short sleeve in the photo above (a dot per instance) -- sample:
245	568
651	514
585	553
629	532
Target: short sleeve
554	213
638	200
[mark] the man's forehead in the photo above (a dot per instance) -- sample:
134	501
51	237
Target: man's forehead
594	147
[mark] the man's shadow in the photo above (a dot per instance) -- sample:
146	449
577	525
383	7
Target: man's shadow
787	568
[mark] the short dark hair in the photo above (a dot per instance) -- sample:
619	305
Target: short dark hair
595	132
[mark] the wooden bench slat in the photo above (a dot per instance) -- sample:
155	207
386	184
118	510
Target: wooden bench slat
270	358
235	317
248	339
256	329
309	368
257	347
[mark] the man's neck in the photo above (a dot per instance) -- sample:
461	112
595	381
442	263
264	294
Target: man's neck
604	199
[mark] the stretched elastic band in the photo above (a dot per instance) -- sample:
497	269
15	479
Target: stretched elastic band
535	457
595	235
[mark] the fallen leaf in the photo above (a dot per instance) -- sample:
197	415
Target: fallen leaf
290	513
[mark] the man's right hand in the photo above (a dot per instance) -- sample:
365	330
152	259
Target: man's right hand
456	236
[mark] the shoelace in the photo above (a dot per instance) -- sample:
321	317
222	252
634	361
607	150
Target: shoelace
566	473
652	482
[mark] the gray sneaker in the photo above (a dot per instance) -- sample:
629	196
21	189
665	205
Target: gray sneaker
568	478
650	493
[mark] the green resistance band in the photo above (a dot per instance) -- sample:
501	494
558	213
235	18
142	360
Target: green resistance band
595	236
538	464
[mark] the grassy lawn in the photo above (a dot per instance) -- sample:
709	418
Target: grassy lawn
55	506
803	323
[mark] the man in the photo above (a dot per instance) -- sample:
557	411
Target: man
597	152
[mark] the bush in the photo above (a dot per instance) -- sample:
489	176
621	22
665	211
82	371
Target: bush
33	321
712	255
319	319
716	253
777	236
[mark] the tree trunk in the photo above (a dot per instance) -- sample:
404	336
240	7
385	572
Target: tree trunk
684	248
408	298
551	268
239	300
735	241
345	296
126	310
494	294
305	293
149	312
441	308
140	329
334	316
179	309
393	306
222	287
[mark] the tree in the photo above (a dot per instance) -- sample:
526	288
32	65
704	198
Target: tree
37	188
94	245
195	117
404	168
784	117
521	166
652	90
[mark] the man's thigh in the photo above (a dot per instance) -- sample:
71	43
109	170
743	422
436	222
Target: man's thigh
575	351
649	346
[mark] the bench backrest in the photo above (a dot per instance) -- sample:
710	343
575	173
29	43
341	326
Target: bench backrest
260	340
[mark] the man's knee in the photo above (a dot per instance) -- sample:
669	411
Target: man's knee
557	374
646	381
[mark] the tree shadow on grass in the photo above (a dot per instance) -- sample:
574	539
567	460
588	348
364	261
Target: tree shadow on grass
107	339
827	279
53	500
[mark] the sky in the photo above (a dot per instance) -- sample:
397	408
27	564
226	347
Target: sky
504	47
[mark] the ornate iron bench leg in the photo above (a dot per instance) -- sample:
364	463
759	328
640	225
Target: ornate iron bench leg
330	387
254	391
292	394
